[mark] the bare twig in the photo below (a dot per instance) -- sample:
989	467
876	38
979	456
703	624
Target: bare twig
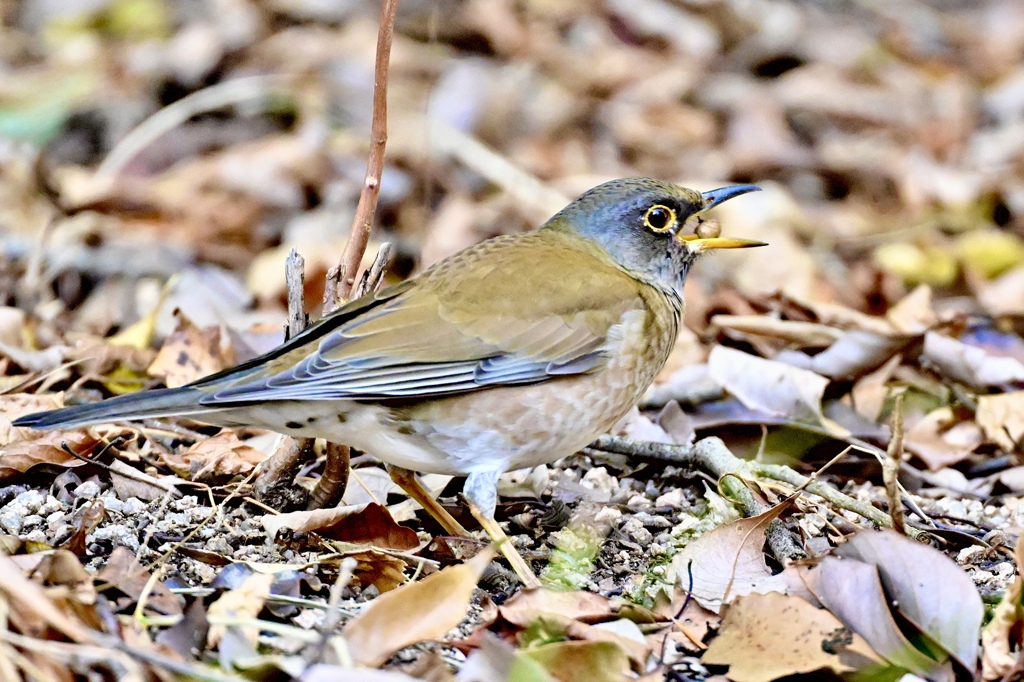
362	223
331	486
295	281
891	467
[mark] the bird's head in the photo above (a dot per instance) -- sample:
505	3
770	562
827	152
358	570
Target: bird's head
649	227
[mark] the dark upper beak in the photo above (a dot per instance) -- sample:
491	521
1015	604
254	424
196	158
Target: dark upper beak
722	194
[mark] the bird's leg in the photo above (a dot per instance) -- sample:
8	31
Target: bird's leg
410	483
482	495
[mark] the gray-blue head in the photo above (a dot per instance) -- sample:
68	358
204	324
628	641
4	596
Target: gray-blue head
640	223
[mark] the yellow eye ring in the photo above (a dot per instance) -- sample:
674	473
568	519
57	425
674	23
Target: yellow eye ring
660	218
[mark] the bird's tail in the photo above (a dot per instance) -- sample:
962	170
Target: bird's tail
164	402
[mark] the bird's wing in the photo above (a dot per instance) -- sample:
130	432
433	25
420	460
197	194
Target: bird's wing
466	324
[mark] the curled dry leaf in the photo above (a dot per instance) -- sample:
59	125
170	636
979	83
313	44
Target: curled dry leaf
23	449
728	562
971	365
768	636
123	572
1001	643
939	440
419	611
769	386
242	603
930	589
224	454
369	524
1001	418
852	591
191	353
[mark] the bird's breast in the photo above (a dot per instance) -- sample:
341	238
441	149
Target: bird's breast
512	427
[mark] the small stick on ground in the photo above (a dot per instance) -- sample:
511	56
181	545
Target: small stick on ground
274	485
891	467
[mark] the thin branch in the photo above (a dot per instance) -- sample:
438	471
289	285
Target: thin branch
891	467
362	223
295	281
711	455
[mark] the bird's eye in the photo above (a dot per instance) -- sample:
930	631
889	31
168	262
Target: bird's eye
660	218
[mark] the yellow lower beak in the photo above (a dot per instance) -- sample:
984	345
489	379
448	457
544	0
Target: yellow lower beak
698	244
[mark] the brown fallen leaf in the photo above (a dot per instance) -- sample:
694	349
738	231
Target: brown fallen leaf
419	611
191	353
369	524
768	636
728	562
1001	418
1001	642
25	448
242	603
123	572
224	454
939	440
852	591
768	386
384	571
527	606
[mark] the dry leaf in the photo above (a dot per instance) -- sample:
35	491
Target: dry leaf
1001	639
971	365
928	587
240	604
1001	418
419	611
25	448
529	605
190	353
591	661
124	572
221	455
768	636
728	562
939	440
768	386
852	591
369	524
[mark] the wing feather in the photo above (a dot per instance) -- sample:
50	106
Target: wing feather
452	330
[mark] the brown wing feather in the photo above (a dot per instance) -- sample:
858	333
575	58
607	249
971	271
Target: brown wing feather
467	323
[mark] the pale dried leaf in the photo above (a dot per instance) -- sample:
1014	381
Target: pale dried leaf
242	603
1001	418
728	562
768	636
971	365
191	353
419	611
369	524
768	386
852	590
929	589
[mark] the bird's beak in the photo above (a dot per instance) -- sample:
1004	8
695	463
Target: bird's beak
712	199
723	194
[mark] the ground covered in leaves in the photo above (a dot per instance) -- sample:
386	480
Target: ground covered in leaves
158	161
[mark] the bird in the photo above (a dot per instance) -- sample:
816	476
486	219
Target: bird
517	351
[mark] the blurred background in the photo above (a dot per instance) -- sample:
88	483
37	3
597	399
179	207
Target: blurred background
141	139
